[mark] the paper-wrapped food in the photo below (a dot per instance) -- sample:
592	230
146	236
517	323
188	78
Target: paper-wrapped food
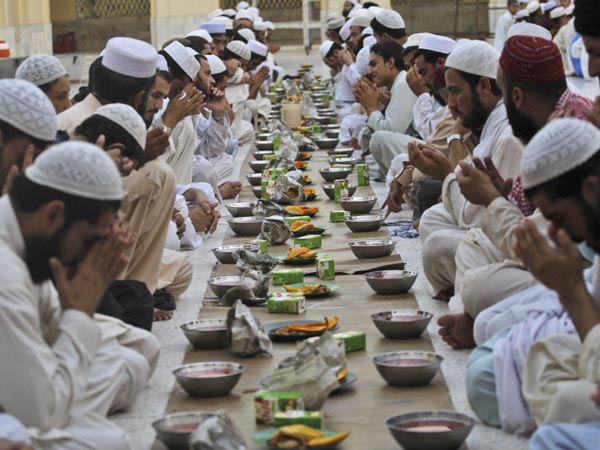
262	262
308	107
288	189
305	144
275	230
312	371
267	208
286	155
247	336
253	285
291	88
217	433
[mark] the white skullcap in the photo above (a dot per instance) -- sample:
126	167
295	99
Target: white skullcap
40	69
244	14
414	40
259	25
345	31
225	21
558	12
213	27
362	60
77	168
437	43
559	147
247	34
229	13
242	5
191	52
369	41
127	117
325	47
353	13
521	14
130	57
533	6
216	65
183	58
362	20
367	32
375	10
528	29
25	107
548	6
335	22
270	25
215	13
254	11
476	58
390	19
258	48
161	63
354	2
201	34
240	49
569	9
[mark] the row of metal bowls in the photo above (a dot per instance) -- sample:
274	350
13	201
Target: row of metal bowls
324	143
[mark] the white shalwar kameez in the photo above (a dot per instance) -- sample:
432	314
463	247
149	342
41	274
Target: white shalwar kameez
212	140
505	21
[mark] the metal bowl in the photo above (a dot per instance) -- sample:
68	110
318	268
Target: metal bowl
453	429
332	174
391	281
333	133
259	166
254	179
327	143
358	205
372	248
407	368
220	285
264	145
264	136
174	430
260	155
207	334
191	380
345	152
257	191
224	254
330	126
402	324
345	161
246	226
367	222
329	190
241	209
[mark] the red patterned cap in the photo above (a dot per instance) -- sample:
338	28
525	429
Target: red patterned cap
531	60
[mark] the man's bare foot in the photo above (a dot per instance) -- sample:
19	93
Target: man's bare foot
160	315
230	190
445	294
457	330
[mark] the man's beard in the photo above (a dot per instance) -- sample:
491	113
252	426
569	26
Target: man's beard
39	250
523	127
591	214
478	116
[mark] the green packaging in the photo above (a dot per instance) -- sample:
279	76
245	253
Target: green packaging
276	141
291	220
353	340
310	241
338	215
312	419
269	403
325	268
340	190
362	174
287	276
286	304
263	245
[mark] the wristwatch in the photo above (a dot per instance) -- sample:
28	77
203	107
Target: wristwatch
453	137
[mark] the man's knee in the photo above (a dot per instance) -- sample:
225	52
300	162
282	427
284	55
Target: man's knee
481	387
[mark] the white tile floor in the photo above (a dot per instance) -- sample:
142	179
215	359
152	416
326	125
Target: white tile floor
151	405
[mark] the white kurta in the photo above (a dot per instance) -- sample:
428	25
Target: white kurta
71	118
428	112
399	112
184	140
212	140
505	21
563	40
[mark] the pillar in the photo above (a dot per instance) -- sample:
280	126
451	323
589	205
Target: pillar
26	26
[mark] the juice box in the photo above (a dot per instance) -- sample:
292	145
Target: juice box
276	142
291	220
353	340
325	268
362	174
340	190
263	245
338	216
290	304
310	241
269	403
312	419
287	276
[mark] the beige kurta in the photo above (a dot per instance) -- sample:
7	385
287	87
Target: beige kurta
69	119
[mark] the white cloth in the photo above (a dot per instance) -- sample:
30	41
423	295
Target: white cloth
399	112
12	430
351	127
563	40
428	112
343	88
505	21
184	140
206	187
190	239
212	137
70	118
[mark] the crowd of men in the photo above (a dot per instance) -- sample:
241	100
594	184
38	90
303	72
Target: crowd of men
495	153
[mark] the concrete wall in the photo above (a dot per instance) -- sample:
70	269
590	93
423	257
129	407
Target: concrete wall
25	25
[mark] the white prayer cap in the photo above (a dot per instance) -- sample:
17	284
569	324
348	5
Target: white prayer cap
40	69
362	20
528	29
202	34
476	58
77	168
183	58
437	43
24	106
345	31
247	34
533	6
215	13
127	117
352	14
161	63
258	48
354	2
259	25
240	49
559	147
244	14
390	19
130	57
548	6
557	13
242	5
229	13
254	11
414	40
325	48
216	65
213	27
375	10
369	41
225	21
270	25
335	22
569	9
362	60
193	53
522	13
367	32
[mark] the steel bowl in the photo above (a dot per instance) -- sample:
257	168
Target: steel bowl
358	205
451	429
260	155
264	145
364	223
402	324
345	161
246	226
241	209
330	191
391	281
259	166
264	136
224	254
372	248
327	143
345	152
332	174
330	126
254	179
207	334
174	430
220	285
407	368
191	380
333	133
257	191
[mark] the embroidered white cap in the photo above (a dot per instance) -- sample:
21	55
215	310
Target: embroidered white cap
202	34
247	34
183	58
128	118
390	19
258	48
130	57
240	49
216	64
40	69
